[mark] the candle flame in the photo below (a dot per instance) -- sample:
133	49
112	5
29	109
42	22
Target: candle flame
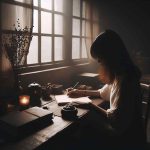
24	100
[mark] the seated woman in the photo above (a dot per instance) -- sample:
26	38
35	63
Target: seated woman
122	89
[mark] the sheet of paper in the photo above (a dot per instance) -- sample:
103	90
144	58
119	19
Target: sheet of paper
65	99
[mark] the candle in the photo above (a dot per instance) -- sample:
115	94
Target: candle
24	100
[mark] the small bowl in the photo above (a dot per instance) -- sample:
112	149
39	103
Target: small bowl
69	112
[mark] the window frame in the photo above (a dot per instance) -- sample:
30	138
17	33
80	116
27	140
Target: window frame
67	37
52	35
80	36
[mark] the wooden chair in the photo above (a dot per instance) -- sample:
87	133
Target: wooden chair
145	88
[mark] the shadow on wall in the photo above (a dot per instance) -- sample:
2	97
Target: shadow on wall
64	75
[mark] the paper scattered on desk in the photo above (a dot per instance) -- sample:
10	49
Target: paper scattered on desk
63	99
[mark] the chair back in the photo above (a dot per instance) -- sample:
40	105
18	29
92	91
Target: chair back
145	89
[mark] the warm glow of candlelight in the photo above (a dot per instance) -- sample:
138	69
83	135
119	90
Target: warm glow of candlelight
24	100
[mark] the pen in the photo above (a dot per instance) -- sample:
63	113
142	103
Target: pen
75	85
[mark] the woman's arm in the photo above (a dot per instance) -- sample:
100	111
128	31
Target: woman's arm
103	93
80	93
100	110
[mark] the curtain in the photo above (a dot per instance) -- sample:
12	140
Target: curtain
92	25
16	23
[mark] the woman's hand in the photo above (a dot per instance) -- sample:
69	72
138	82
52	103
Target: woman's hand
69	89
80	93
74	93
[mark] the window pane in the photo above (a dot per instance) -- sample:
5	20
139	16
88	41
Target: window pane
88	26
47	4
76	27
58	48
35	21
84	52
35	2
15	12
76	8
83	28
58	24
58	5
46	49
46	22
75	48
33	51
83	9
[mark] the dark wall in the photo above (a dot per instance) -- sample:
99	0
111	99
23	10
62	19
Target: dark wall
130	19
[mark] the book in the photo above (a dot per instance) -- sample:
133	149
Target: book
64	99
20	123
39	112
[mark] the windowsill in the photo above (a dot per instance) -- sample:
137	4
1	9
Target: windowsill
45	70
50	67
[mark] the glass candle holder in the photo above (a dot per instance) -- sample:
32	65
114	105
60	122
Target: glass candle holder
24	101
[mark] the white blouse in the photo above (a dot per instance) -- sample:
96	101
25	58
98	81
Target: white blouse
121	111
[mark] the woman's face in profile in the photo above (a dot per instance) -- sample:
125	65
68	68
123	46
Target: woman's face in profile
104	74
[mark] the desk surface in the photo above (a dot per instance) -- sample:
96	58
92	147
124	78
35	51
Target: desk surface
42	136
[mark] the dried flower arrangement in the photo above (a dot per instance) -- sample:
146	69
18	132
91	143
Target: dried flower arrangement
17	43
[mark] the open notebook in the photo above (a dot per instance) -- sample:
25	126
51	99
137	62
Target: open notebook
63	99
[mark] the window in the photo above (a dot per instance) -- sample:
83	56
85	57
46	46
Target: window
78	30
48	34
59	33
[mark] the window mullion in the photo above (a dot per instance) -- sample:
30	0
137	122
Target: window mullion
68	31
52	30
0	32
39	31
80	29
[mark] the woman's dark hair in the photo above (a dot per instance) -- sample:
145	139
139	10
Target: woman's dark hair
109	48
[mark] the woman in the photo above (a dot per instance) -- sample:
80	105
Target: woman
122	89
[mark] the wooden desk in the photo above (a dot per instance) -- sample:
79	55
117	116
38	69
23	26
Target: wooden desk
45	135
